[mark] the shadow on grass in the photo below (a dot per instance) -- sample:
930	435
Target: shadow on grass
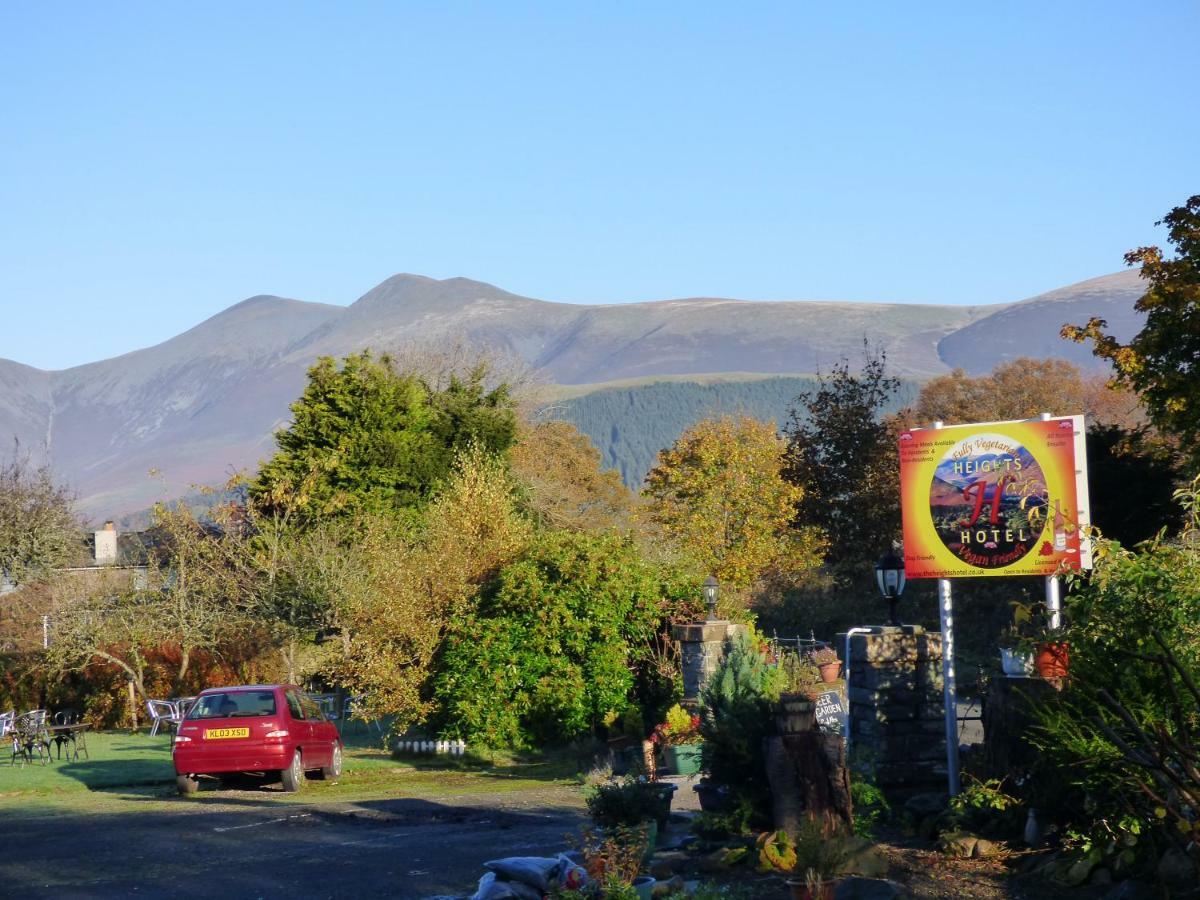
115	774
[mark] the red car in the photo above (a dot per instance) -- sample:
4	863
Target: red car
265	729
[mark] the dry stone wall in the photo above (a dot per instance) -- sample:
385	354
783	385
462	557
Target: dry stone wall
897	711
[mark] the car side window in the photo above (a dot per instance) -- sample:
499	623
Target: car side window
293	703
311	710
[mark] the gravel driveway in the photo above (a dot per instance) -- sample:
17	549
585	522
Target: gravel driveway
234	845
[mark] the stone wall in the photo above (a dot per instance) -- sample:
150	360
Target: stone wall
897	720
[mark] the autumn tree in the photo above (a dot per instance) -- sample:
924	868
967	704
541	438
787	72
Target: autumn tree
1020	389
719	496
842	457
565	483
1160	361
191	598
367	439
39	529
396	589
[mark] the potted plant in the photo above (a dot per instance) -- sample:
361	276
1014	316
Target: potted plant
1016	643
827	663
1033	645
819	859
625	734
1051	658
631	803
679	740
713	797
612	859
797	701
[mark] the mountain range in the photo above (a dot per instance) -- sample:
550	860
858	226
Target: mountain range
206	403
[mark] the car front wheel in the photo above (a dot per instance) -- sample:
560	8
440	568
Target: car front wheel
293	776
186	784
334	769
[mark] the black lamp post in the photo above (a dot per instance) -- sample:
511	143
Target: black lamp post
711	588
889	574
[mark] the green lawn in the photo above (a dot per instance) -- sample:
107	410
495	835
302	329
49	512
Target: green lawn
124	765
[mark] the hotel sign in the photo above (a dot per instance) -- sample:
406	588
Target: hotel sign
998	498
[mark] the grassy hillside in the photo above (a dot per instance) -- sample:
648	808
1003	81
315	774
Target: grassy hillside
630	423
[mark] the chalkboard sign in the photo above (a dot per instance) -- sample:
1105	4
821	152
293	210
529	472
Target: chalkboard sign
830	715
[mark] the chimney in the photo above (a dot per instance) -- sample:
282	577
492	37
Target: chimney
106	545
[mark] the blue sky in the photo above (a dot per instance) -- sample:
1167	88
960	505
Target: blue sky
161	161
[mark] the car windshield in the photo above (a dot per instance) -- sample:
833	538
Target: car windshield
234	704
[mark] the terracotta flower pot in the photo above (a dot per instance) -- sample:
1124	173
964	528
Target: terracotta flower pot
1052	659
830	671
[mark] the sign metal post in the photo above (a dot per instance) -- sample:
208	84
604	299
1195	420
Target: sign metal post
992	499
949	688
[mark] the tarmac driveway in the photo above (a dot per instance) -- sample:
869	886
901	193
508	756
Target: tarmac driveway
233	845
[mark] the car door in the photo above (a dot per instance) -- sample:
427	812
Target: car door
298	725
317	752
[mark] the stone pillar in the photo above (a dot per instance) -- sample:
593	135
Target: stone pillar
897	712
701	649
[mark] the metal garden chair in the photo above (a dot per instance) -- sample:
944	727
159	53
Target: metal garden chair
29	736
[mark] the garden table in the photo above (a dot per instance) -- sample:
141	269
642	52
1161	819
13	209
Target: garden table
75	735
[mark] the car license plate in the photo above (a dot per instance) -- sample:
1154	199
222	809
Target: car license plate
213	734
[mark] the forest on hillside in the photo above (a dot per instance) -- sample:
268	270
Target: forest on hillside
630	425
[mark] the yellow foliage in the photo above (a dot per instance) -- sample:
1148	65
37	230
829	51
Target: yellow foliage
719	496
406	586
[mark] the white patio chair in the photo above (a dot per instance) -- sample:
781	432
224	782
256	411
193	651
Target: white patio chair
161	711
183	705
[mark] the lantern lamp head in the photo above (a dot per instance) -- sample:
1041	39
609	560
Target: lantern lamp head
889	575
711	588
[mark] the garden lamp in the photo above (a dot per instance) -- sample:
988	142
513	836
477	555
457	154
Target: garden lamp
889	574
711	588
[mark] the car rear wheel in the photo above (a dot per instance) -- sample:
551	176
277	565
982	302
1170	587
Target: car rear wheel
334	769
293	776
186	784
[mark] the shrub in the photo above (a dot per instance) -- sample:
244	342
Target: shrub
627	802
552	649
736	715
1125	732
613	857
681	727
870	805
